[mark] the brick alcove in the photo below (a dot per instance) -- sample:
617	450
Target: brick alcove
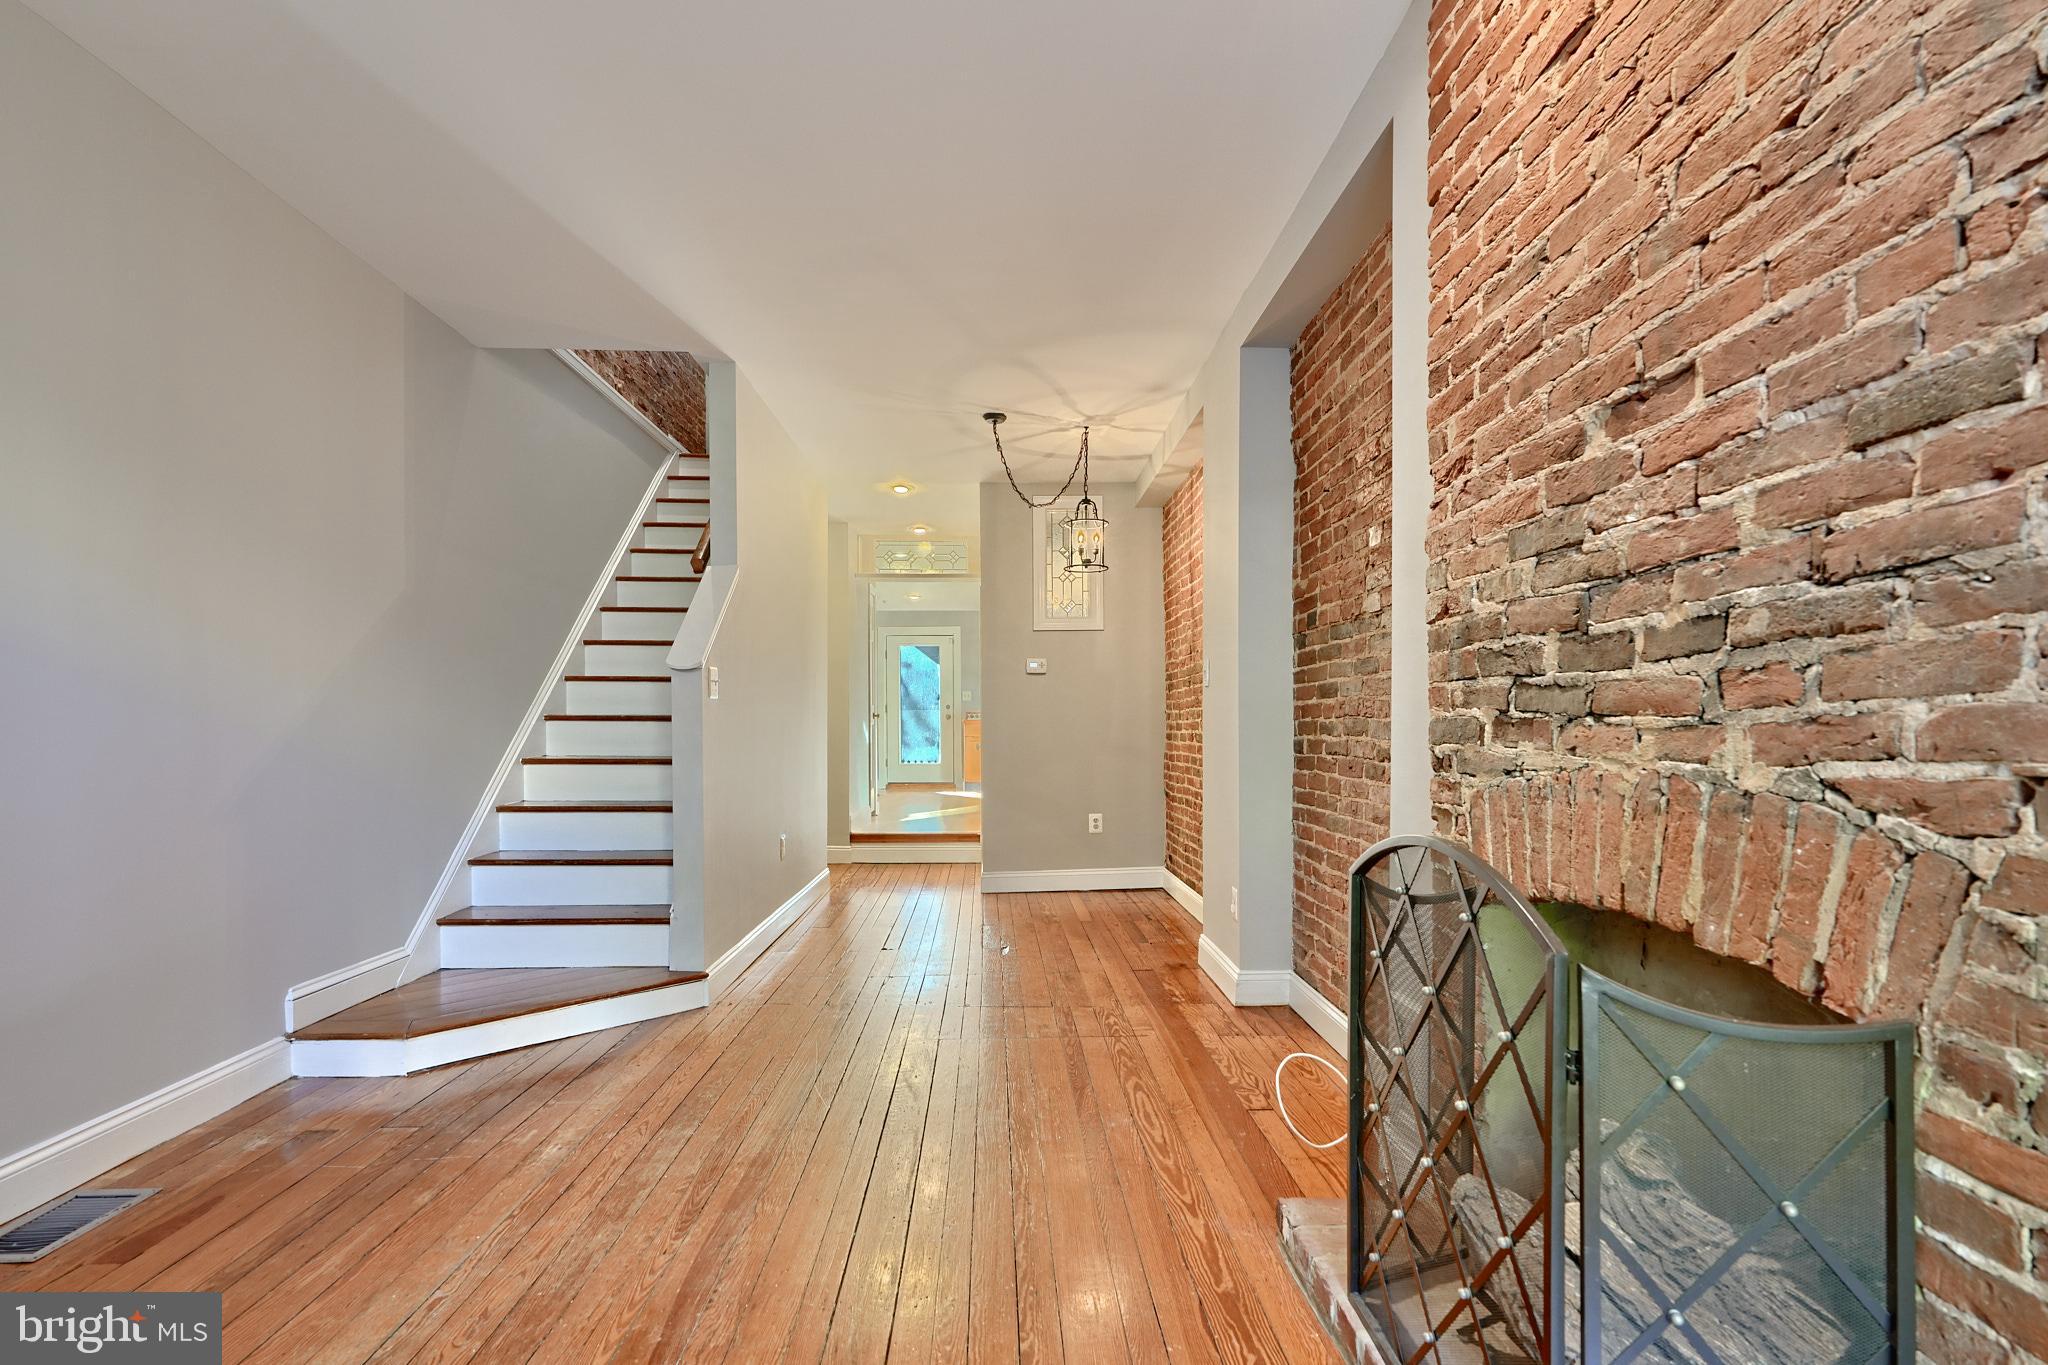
1739	547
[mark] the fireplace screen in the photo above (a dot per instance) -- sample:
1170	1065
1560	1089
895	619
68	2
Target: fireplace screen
1549	1166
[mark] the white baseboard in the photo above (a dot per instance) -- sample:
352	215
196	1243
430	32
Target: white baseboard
1319	1014
35	1176
336	991
1185	896
840	854
1238	986
741	955
1077	879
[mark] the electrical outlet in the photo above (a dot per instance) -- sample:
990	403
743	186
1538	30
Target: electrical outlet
781	847
1095	823
1233	905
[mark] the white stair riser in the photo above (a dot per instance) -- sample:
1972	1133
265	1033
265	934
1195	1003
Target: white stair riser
403	1056
696	513
554	945
670	537
638	625
675	595
570	885
619	698
626	738
659	566
584	830
631	660
597	782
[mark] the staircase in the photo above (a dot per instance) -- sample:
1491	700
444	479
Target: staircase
567	929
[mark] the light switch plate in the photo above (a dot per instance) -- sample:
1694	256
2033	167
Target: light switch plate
711	683
1034	665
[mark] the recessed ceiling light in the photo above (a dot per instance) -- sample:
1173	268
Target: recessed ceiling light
917	597
901	490
920	530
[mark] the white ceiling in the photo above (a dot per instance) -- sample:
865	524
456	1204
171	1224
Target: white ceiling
892	215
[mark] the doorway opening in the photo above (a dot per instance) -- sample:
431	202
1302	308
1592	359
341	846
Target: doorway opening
923	676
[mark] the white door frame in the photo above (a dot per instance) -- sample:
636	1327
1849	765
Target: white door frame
948	768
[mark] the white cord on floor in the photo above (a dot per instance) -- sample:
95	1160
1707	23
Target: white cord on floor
1281	1100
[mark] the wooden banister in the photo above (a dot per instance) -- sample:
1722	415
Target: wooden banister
701	556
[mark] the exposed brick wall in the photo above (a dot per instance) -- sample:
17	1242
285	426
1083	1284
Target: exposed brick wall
1740	551
1342	407
667	387
1180	535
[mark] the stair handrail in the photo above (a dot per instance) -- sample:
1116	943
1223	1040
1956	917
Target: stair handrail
701	555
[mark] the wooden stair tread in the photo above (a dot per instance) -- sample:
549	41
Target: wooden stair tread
914	837
658	578
455	998
629	642
567	715
700	502
666	609
615	677
570	857
560	807
674	526
660	549
558	914
600	758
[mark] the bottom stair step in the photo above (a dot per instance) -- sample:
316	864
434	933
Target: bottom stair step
454	1014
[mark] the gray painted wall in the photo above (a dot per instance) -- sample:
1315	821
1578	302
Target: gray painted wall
282	562
764	739
1088	735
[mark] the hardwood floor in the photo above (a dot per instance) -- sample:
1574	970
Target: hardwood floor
928	1125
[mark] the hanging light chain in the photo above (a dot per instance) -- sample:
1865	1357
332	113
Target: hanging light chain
1080	466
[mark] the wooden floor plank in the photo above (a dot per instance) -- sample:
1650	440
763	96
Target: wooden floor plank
928	1125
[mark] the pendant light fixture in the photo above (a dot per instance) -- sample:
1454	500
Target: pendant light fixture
1087	531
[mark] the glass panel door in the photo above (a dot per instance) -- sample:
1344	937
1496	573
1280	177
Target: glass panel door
921	742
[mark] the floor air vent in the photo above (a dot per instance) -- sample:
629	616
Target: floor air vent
42	1232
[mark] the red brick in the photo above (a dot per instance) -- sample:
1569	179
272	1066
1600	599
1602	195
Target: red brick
1648	695
1824	614
1685	538
1965	807
1784	561
1998	300
1913	265
1935	889
2021	886
1825	739
1864	356
1986	732
1784	447
1834	489
1727	816
1858	941
1951	599
1763	859
1986	661
1677	903
1760	345
1993	450
1802	902
1707	429
1774	684
1998	1163
1954	1213
2017	1315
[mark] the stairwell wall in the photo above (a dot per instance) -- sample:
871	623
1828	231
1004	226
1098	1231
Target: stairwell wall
282	558
764	739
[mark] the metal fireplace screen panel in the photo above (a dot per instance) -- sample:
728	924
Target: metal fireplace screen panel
1457	1025
1747	1189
